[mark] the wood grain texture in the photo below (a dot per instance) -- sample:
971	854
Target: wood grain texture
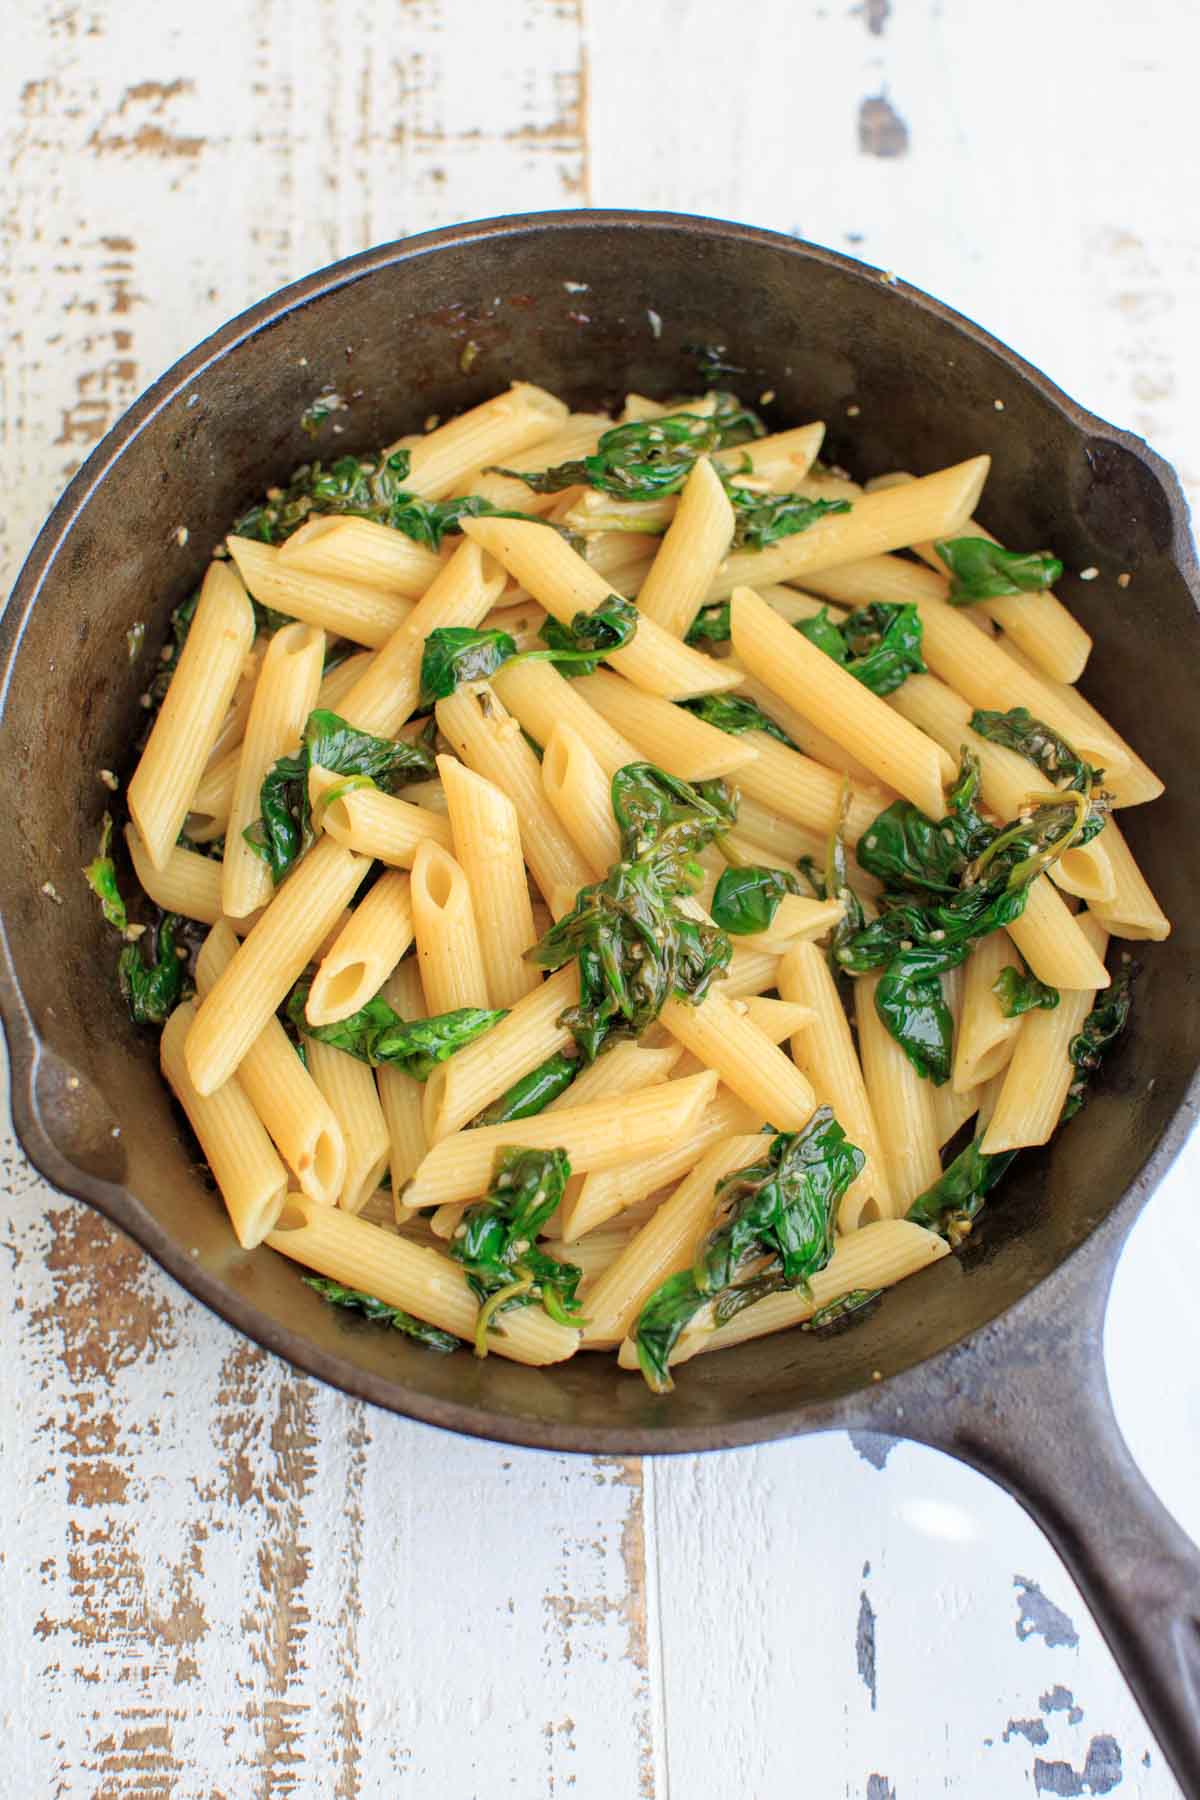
222	1580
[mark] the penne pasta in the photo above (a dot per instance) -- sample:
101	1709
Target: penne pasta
449	953
487	844
901	1102
540	698
696	541
1134	781
366	554
379	825
663	732
1131	911
478	1074
364	952
984	1038
581	794
754	1068
348	1087
401	1095
190	719
365	615
489	433
1039	622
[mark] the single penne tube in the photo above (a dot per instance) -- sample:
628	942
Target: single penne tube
400	1094
270	959
463	592
284	697
1051	939
487	845
251	1178
576	438
784	457
952	1109
692	551
664	1246
234	722
878	1256
449	953
784	840
364	953
556	575
797	920
984	1037
1130	785
607	1192
473	1077
277	1084
975	666
190	718
1040	1070
337	682
806	736
581	794
903	759
596	1136
1131	911
488	739
412	1276
756	1070
901	1102
489	433
1053	639
1006	778
362	614
824	1052
377	824
344	548
806	791
662	732
935	506
540	698
749	972
348	1087
208	809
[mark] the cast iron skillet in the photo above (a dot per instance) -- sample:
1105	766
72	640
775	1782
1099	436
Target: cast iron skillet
994	1356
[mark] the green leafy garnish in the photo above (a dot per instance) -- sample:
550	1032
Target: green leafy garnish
376	1034
284	830
153	986
1019	992
381	1313
101	877
746	899
651	457
1058	761
591	636
832	882
842	1310
729	713
456	653
921	934
711	625
636	948
880	645
782	1207
981	570
1106	1021
533	1093
763	519
951	1206
496	1241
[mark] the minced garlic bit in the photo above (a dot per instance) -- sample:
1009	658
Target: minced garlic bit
52	893
470	352
432	422
766	397
655	321
576	287
1088	574
181	535
999	405
889	276
852	412
109	779
135	637
1123	580
132	933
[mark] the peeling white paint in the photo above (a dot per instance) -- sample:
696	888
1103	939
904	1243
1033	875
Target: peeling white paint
223	1580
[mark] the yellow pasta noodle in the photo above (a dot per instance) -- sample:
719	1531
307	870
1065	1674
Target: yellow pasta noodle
662	732
487	844
364	953
581	794
449	953
400	1094
380	825
365	615
479	1073
901	1102
348	1086
488	433
696	541
344	548
1131	911
540	698
756	1070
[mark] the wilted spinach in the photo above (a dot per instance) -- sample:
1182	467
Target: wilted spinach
784	1208
101	876
880	644
951	1206
533	1093
1019	992
761	520
1106	1021
981	570
729	712
153	983
496	1241
376	1034
456	653
650	457
382	1314
746	899
842	1310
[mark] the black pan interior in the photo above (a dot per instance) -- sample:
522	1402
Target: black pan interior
591	307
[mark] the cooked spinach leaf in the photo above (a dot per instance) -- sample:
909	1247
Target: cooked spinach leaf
746	899
634	947
1018	730
833	883
907	850
533	1093
381	1313
951	1206
981	570
284	830
728	712
711	624
761	520
1019	992
1106	1021
496	1241
101	877
650	457
591	636
782	1207
153	983
841	1311
880	644
456	653
376	1034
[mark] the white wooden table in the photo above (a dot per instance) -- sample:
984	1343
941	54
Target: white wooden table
222	1580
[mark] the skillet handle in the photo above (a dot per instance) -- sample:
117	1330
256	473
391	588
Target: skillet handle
1029	1406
